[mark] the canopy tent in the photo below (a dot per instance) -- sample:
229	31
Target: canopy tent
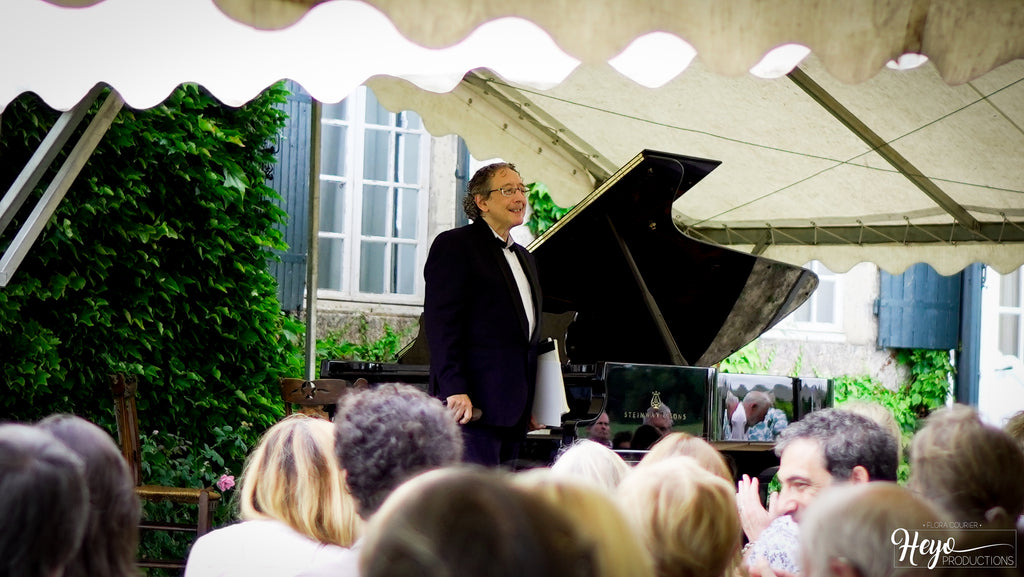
935	173
844	160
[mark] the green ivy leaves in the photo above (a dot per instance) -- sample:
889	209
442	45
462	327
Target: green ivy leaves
545	213
154	264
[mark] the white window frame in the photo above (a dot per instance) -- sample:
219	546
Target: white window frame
352	235
1014	311
790	328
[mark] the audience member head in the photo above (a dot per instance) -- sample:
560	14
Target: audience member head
622	439
472	521
480	185
685	516
686	445
731	402
880	414
387	435
644	437
43	500
756	405
659	417
111	536
830	446
849	529
971	470
601	431
1015	428
619	551
593	462
292	476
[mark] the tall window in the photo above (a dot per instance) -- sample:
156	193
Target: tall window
820	311
1011	311
373	175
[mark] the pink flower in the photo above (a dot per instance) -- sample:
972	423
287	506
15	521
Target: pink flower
226	482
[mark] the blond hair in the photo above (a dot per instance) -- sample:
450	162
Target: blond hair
685	515
619	552
1015	428
686	445
293	476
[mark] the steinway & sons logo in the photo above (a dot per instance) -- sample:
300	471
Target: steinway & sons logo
656	405
937	546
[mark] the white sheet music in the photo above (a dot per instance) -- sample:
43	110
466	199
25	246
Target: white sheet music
549	402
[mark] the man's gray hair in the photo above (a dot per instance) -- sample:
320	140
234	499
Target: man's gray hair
846	440
388	434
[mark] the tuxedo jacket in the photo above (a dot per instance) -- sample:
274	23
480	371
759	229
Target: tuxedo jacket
476	326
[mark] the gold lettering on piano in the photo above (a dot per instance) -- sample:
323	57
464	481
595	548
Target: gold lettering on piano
641	415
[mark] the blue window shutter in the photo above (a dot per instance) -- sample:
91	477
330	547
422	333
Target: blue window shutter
291	181
919	309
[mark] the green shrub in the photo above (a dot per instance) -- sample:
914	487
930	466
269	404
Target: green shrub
544	212
748	360
154	264
910	403
381	348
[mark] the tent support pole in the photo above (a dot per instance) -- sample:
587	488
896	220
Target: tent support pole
879	145
313	241
54	193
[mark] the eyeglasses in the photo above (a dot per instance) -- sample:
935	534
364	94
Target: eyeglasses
509	190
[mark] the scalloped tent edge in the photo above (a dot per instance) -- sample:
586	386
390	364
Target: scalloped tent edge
845	161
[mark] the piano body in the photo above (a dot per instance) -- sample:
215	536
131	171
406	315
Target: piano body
642	312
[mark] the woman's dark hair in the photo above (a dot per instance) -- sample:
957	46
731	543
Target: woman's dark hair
112	531
44	502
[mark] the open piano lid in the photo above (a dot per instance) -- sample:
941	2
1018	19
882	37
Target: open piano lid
645	292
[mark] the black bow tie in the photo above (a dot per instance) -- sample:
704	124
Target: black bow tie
502	243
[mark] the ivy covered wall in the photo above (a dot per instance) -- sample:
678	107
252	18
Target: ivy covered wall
154	264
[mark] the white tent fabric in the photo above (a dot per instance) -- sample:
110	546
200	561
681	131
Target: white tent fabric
786	162
796	184
145	48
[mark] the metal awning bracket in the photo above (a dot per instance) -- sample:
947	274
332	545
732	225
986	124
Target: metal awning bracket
62	181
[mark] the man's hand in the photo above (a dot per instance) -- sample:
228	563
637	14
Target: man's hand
461	407
753	515
534	425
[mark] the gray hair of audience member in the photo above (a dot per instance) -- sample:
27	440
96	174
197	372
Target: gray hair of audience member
659	411
387	434
880	414
854	524
592	462
111	536
472	521
972	470
847	440
43	500
480	185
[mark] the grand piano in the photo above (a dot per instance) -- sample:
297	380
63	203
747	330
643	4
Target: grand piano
642	313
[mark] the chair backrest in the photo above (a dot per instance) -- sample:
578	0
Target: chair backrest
123	389
317	392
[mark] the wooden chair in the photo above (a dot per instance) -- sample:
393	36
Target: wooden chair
124	389
317	397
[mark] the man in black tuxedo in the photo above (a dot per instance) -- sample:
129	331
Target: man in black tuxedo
482	312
